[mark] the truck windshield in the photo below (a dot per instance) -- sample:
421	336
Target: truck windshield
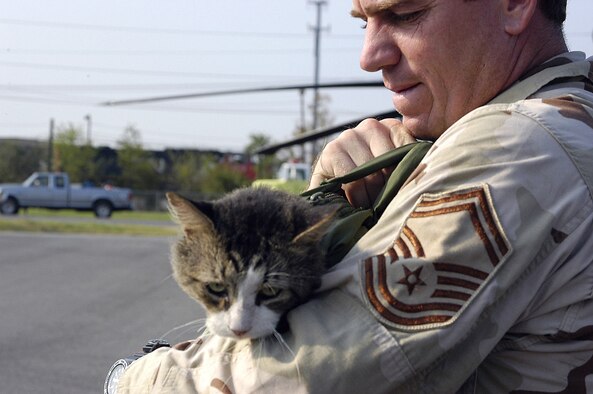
37	180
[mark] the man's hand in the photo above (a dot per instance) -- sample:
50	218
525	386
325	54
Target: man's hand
369	139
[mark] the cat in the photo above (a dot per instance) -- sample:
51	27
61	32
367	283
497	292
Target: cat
249	257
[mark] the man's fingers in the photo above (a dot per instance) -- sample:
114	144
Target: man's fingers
356	146
334	161
398	134
362	193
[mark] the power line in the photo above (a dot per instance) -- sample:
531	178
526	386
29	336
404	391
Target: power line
111	87
153	30
41	100
209	110
139	72
168	52
136	29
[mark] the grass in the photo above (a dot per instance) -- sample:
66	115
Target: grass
40	220
132	215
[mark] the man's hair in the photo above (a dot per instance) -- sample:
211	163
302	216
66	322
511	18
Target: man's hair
554	10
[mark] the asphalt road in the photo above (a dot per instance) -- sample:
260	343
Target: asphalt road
87	218
70	305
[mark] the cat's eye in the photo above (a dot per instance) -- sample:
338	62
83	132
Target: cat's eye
268	291
216	289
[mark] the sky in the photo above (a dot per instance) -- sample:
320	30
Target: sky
62	59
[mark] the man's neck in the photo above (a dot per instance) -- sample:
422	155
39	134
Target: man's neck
530	51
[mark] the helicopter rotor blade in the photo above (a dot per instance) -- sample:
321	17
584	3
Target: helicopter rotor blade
355	84
324	132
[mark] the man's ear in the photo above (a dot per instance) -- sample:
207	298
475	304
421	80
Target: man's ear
517	15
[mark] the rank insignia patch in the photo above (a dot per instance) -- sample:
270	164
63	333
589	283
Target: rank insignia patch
446	250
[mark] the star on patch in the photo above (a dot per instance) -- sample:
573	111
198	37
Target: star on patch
412	279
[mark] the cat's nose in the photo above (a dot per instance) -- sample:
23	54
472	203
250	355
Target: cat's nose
239	333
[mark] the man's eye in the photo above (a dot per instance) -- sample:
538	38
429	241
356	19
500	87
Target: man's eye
401	18
409	17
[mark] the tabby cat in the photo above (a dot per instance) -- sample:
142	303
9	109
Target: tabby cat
248	257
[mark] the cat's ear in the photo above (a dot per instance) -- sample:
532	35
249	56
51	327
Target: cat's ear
316	231
189	216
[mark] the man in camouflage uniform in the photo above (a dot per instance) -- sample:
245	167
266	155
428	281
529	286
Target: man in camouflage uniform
478	276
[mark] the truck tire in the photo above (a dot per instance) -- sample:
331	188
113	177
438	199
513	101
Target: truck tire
10	206
102	209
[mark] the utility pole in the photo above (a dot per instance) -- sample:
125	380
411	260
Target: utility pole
50	147
88	129
303	127
317	29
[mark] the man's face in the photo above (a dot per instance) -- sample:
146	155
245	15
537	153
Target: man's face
441	58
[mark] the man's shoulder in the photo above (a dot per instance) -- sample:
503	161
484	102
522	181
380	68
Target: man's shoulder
565	114
559	127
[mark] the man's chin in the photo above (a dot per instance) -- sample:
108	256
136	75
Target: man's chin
421	129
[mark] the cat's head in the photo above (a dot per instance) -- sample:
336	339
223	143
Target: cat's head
249	257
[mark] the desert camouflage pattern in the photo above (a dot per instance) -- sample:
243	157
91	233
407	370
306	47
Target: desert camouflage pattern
477	279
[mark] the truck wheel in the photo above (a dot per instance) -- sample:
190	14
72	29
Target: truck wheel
10	206
103	209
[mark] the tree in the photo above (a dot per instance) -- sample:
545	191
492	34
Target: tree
73	155
204	176
324	119
107	168
256	142
221	178
188	171
137	171
18	160
266	164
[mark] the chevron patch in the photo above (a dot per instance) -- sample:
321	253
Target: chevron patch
446	250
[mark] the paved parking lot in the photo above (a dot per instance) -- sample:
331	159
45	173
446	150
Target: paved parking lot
70	305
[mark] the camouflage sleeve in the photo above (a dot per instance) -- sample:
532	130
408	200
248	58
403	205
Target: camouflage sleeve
477	278
485	258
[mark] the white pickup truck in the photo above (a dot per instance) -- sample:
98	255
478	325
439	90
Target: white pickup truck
54	191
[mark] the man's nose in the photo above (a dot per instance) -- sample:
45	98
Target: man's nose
380	47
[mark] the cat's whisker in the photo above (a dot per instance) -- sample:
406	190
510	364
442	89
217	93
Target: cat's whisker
283	343
204	331
190	329
260	351
182	326
165	279
206	334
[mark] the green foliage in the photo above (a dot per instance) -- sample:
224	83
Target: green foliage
18	161
256	142
222	178
107	168
137	170
203	176
71	155
265	164
188	171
